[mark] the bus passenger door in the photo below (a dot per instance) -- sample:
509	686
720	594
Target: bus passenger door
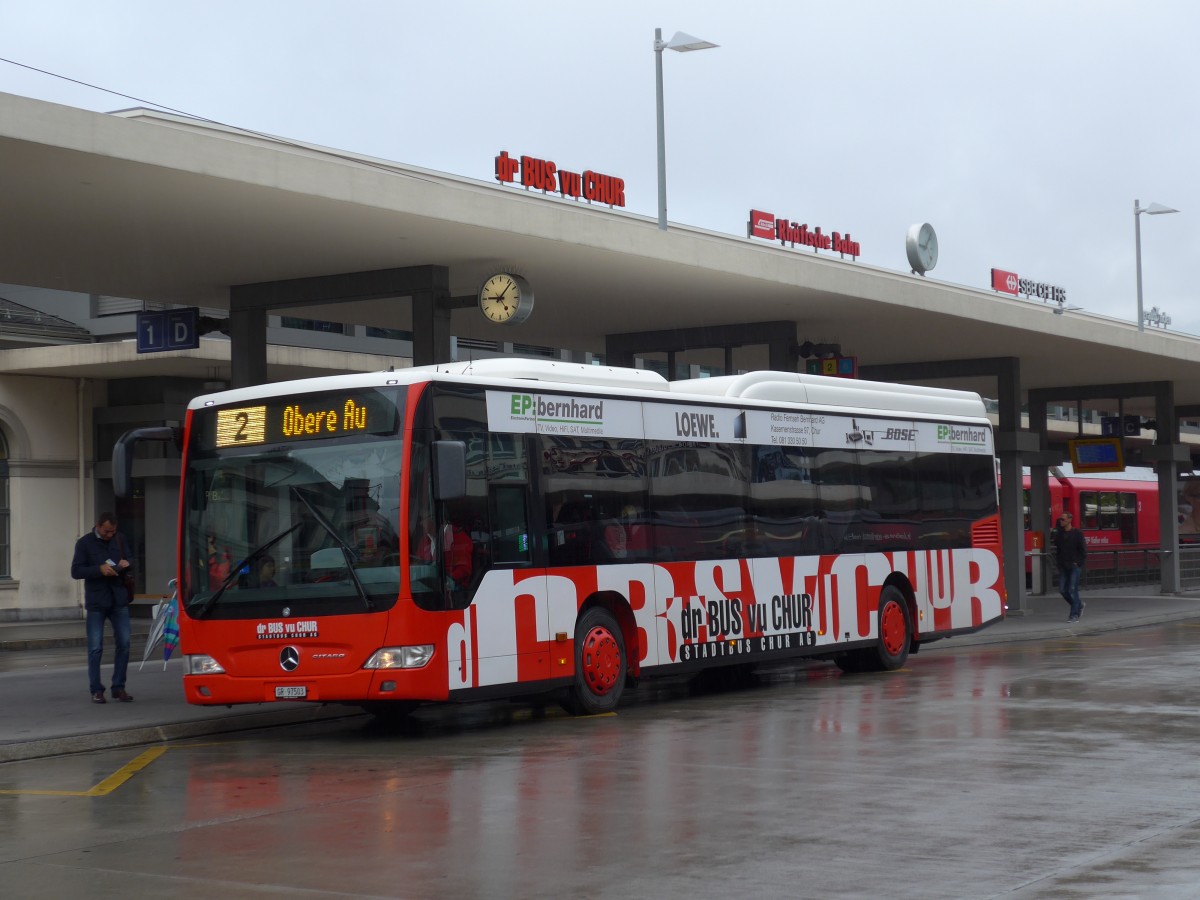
505	633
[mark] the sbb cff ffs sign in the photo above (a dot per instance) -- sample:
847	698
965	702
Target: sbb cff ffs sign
1011	283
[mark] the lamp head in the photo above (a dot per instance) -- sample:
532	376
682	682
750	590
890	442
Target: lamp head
685	43
1157	209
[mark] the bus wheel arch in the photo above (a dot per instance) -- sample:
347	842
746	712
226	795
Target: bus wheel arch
897	632
621	611
605	635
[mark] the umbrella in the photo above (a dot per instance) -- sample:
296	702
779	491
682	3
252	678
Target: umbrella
165	628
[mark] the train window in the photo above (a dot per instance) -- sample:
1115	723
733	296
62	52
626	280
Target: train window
1108	510
1089	509
1129	529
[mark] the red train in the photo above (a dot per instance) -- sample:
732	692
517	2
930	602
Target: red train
1117	512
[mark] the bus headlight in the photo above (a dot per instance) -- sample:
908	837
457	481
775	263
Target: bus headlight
400	657
202	665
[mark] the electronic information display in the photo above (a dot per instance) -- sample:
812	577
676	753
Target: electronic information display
1097	455
303	418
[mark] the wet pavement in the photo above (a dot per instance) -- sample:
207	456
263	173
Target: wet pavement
47	709
1055	768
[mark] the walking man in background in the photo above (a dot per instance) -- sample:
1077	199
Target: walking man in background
101	561
1070	551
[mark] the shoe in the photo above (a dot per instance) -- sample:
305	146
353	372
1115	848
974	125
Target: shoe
120	694
98	697
1069	621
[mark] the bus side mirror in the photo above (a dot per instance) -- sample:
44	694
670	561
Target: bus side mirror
122	459
449	470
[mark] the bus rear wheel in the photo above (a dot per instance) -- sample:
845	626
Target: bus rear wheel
895	629
600	664
895	636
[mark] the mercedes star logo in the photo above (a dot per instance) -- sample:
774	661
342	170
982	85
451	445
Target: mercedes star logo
289	659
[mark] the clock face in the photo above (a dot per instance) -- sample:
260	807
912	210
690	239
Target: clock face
921	246
928	247
506	299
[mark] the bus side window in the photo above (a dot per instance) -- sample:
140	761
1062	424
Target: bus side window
587	484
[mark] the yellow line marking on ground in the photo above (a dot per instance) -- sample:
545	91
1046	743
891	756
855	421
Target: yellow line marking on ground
109	784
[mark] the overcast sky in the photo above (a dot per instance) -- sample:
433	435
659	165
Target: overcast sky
1023	130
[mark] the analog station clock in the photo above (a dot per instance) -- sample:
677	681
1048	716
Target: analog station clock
506	299
922	248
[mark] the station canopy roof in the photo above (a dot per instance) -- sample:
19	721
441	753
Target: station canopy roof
157	207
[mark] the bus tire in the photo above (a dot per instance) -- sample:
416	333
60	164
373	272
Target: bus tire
895	636
600	664
895	630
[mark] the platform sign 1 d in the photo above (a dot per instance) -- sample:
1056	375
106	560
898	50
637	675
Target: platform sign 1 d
173	329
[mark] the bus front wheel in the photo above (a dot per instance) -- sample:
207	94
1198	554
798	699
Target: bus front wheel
599	664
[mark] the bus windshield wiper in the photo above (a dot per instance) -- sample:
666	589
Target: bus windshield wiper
204	606
347	551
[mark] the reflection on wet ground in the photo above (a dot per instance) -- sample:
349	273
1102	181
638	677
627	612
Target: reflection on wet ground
1060	769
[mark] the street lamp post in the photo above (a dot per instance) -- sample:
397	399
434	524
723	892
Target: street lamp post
681	43
1154	209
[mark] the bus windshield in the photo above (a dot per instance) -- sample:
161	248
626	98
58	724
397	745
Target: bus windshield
310	525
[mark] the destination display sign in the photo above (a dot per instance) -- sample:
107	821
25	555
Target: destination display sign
304	417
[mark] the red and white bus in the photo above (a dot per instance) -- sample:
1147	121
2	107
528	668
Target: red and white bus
505	527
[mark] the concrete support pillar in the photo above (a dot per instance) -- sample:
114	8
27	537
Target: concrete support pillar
781	357
248	344
431	328
1169	453
1041	517
1011	442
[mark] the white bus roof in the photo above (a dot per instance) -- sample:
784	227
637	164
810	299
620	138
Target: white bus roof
821	390
764	387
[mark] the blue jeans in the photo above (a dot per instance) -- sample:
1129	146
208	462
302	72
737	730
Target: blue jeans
95	646
1068	586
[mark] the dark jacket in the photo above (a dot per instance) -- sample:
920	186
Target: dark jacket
101	593
1070	548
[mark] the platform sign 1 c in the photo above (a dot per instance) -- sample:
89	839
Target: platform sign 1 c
173	329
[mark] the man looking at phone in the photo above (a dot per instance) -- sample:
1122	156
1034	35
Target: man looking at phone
102	562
